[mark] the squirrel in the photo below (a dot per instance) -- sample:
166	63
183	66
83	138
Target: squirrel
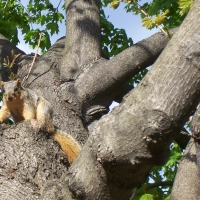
23	104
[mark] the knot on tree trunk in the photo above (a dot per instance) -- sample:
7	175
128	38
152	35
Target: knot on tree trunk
157	129
125	149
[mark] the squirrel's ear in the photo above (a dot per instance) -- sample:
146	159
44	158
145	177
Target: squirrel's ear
18	82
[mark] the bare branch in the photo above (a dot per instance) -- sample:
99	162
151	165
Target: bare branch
82	43
164	183
36	52
187	173
115	72
136	135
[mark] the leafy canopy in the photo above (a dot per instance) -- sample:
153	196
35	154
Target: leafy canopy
31	19
42	16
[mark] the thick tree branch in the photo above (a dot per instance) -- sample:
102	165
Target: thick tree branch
136	135
83	44
122	91
124	144
115	72
195	128
186	184
57	49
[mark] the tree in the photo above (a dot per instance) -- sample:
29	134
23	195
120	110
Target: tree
119	147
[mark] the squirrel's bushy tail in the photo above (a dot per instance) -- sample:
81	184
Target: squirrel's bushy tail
68	144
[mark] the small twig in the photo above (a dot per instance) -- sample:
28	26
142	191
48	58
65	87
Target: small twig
134	193
144	12
164	183
152	185
26	11
58	5
23	7
36	52
185	133
196	136
5	5
16	56
152	176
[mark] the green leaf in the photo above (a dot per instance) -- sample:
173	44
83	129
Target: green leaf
185	6
114	4
52	27
159	19
167	198
113	40
14	17
147	197
148	23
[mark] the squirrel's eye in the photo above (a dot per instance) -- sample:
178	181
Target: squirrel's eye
16	89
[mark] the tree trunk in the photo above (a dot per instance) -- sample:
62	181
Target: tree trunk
187	182
120	147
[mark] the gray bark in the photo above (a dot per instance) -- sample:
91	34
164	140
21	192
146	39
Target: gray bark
186	184
83	37
29	160
119	148
139	131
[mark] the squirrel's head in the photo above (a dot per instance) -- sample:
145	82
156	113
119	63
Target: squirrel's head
11	89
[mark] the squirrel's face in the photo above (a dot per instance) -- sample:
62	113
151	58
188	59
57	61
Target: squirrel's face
11	90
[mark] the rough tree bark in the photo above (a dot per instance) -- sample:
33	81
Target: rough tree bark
187	182
119	147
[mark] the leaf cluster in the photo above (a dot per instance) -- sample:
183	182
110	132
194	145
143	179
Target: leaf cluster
114	40
169	13
138	77
185	6
166	12
160	174
27	18
159	19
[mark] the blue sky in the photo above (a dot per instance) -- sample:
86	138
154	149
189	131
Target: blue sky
131	23
120	19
